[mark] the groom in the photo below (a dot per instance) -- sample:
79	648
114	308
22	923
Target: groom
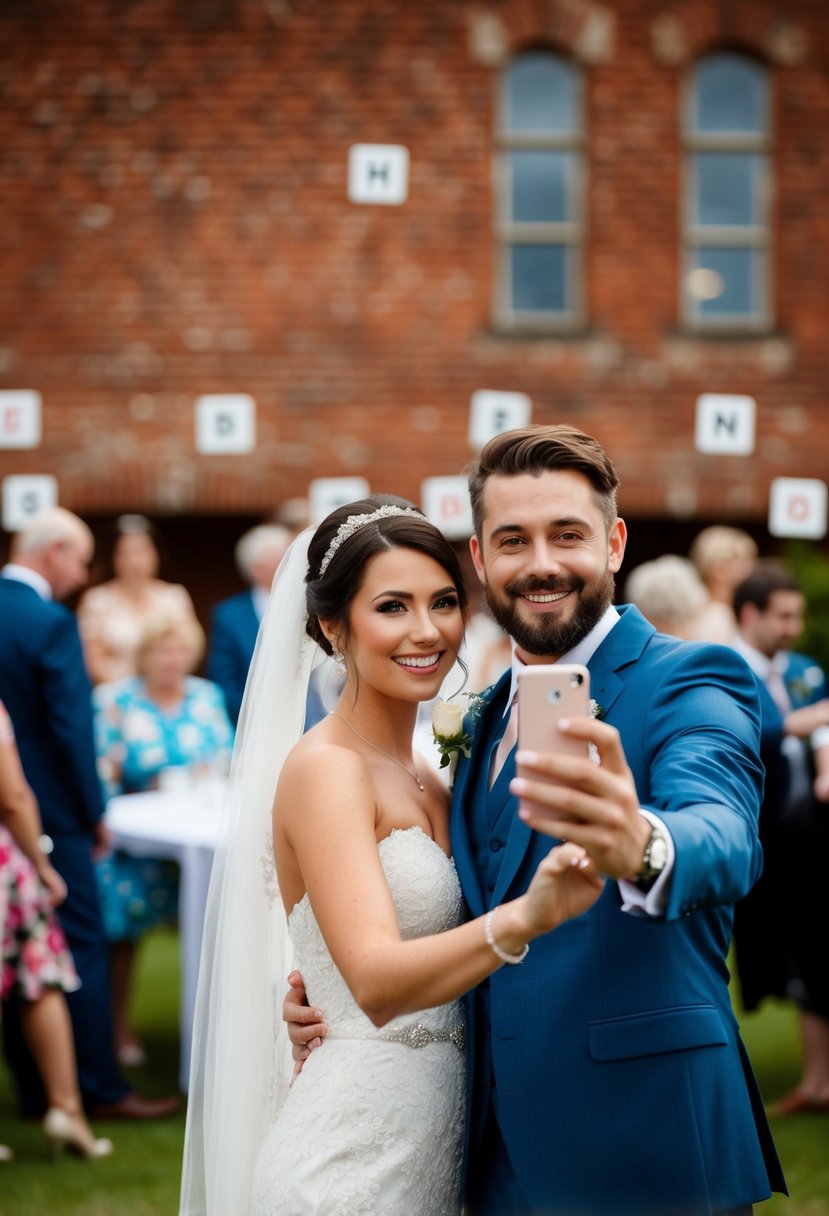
607	1076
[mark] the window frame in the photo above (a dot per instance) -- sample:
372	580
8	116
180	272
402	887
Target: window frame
757	237
571	234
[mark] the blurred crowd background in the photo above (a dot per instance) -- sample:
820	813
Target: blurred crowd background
611	209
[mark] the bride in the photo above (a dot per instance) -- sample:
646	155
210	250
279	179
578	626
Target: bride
363	898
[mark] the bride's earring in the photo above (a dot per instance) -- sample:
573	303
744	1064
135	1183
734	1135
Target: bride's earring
339	659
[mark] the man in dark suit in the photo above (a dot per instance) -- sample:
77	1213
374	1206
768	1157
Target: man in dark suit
46	690
779	927
236	620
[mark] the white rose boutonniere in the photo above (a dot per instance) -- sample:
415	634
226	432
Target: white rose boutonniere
447	722
453	727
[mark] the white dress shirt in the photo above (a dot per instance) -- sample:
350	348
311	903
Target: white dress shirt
260	596
771	672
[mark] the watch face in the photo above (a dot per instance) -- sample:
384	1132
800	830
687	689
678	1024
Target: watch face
658	853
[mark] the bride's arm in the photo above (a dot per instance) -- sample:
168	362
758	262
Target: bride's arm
325	815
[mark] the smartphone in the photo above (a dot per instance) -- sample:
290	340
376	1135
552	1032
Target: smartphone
545	695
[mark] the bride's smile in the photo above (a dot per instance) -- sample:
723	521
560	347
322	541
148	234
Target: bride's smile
405	626
422	663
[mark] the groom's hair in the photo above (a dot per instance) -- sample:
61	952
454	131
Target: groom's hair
542	449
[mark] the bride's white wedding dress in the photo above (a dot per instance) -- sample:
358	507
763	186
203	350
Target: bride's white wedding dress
373	1125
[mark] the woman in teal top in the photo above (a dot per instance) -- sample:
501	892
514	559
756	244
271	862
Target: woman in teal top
162	720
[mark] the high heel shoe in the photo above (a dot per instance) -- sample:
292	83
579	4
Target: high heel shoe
70	1131
132	1055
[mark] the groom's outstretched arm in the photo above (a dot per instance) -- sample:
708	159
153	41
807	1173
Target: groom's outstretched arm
306	1025
695	744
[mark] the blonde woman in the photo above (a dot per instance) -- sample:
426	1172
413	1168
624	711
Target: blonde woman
723	557
112	615
161	719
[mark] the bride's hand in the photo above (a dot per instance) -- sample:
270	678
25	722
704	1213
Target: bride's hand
565	884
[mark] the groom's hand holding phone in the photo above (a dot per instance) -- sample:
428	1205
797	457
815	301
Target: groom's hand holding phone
306	1025
565	792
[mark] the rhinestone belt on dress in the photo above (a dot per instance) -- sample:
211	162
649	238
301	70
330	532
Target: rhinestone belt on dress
419	1035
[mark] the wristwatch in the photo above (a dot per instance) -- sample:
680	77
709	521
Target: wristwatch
654	859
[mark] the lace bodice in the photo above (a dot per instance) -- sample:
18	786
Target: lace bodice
427	896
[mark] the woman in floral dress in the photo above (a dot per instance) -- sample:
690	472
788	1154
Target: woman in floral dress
37	968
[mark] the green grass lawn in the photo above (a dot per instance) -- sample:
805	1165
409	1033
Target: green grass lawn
802	1140
142	1177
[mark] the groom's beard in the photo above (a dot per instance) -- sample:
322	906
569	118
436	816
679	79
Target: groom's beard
544	634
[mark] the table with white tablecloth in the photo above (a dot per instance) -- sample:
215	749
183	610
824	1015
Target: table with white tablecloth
181	826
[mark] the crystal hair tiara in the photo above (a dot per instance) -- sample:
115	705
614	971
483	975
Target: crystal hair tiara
355	522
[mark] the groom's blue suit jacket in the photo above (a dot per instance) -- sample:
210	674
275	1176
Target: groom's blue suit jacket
620	1081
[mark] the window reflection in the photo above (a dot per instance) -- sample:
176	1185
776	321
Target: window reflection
539	94
539	186
539	182
733	271
538	275
728	187
727	217
730	95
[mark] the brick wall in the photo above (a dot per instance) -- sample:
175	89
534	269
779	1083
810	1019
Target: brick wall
175	222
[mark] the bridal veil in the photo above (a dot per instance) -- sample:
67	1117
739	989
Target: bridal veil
241	1063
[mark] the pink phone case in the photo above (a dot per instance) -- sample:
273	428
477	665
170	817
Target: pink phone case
545	695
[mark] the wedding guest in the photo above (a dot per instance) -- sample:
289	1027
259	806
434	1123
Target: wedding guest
723	557
45	687
162	723
780	942
235	621
112	615
669	593
359	862
617	1031
293	514
36	968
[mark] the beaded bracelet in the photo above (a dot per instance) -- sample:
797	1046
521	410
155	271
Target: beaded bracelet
512	959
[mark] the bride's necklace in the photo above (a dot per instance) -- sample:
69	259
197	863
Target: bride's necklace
382	751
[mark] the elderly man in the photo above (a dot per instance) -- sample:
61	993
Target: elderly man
45	687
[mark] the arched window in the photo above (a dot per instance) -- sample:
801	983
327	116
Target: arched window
540	193
727	234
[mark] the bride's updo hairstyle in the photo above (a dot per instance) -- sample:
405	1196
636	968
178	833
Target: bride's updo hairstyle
328	595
